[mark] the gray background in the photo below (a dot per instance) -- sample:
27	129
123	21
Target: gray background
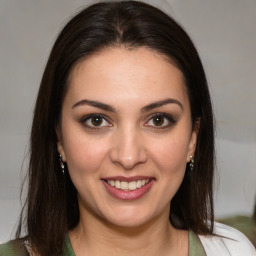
224	33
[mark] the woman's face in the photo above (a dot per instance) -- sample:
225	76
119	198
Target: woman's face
126	135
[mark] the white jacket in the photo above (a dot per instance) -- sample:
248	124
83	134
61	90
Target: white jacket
232	242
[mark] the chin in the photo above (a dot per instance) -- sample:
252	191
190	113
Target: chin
130	218
128	223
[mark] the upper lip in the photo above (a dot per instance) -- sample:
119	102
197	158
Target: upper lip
128	179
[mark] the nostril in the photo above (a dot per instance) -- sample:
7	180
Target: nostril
128	154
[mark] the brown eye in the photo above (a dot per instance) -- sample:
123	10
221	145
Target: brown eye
158	120
161	120
97	121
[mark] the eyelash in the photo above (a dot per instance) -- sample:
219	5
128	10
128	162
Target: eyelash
89	117
167	117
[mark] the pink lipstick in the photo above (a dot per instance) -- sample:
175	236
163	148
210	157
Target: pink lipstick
128	188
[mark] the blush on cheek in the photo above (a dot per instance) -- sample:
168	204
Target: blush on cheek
85	159
170	154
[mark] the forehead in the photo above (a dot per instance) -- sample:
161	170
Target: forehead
138	73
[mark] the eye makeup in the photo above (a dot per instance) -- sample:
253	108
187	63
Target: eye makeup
161	121
95	121
98	121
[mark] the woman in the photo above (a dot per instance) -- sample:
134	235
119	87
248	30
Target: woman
122	144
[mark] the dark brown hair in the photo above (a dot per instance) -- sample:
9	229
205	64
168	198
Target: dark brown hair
51	206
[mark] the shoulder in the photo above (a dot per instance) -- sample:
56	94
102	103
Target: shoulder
13	247
228	241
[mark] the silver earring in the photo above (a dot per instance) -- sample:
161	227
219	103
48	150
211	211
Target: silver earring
62	166
191	163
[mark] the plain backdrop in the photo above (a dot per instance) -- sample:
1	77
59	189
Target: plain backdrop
225	35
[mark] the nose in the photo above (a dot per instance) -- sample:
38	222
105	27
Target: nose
128	149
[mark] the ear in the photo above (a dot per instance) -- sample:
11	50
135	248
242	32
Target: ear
193	139
60	143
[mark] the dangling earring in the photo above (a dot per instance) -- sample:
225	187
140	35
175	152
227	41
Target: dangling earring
62	166
191	163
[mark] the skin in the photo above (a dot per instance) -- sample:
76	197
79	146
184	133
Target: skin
128	142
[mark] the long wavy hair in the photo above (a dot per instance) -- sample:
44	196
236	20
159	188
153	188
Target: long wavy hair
51	207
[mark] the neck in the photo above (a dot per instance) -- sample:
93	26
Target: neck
95	236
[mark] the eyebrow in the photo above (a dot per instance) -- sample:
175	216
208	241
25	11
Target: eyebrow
96	104
109	108
161	103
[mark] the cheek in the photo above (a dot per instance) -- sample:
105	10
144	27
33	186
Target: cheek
170	155
84	155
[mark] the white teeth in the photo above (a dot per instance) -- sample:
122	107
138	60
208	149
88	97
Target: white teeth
118	184
139	184
132	185
123	185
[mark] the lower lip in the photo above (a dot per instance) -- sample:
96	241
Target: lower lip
128	194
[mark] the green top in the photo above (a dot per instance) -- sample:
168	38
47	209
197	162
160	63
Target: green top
17	247
195	246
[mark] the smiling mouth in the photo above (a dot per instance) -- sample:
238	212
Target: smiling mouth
128	186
